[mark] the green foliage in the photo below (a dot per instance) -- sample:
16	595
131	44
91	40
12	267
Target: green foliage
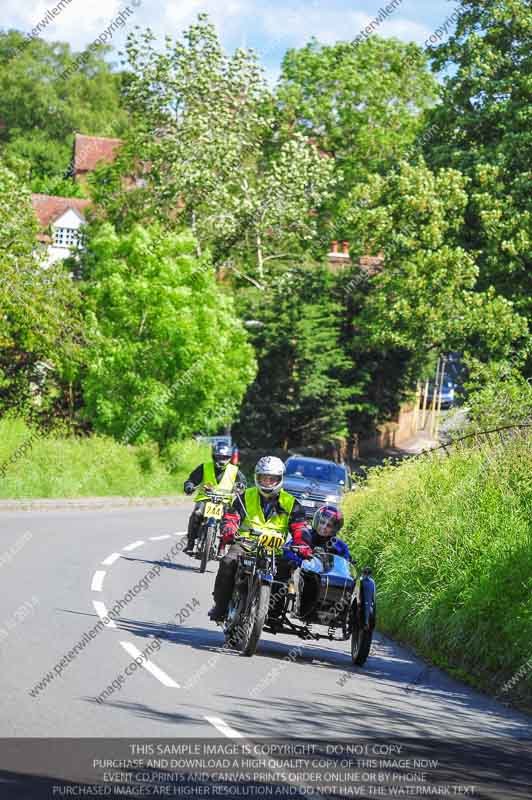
502	397
40	322
201	119
41	107
58	466
361	103
426	298
450	542
298	397
167	356
483	127
180	458
58	187
425	292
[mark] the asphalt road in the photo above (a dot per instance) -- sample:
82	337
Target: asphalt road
62	571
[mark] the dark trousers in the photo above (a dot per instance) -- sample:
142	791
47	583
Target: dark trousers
194	522
225	579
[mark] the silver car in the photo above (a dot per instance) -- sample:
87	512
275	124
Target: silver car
316	482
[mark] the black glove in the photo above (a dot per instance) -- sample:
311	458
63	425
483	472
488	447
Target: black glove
189	487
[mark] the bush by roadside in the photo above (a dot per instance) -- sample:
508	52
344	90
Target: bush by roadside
55	466
450	541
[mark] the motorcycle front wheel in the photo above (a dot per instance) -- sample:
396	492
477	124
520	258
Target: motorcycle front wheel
208	543
257	612
233	628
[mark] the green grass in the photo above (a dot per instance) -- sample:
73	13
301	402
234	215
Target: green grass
67	467
450	541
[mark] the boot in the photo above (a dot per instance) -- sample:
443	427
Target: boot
217	613
189	549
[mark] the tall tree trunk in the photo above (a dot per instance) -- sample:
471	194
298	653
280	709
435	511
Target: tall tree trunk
194	230
260	256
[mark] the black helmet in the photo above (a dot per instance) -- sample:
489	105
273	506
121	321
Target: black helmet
221	454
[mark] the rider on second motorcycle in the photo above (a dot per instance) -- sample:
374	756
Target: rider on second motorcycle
218	473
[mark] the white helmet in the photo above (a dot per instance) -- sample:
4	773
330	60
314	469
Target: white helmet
269	468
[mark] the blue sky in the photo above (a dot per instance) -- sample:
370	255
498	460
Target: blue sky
271	27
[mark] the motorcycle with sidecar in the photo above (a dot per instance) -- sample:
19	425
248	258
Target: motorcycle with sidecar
323	593
326	599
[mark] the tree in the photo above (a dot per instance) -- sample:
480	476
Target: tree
483	127
40	322
425	300
200	120
298	397
42	105
167	356
362	104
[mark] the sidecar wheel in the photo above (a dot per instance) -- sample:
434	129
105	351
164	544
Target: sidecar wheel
360	644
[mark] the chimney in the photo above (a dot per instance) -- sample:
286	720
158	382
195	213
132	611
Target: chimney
337	259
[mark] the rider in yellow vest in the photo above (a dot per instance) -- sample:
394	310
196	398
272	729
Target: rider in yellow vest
218	473
266	506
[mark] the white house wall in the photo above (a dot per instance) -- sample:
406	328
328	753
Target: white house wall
53	253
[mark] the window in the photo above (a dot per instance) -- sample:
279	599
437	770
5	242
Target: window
329	473
65	237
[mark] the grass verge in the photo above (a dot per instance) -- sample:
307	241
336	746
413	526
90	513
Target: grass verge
35	466
450	542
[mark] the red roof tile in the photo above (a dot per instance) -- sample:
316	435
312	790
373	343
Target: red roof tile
91	150
49	208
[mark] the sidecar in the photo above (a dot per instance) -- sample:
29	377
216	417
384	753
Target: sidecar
327	595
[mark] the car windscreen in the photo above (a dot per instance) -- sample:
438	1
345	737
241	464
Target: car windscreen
329	473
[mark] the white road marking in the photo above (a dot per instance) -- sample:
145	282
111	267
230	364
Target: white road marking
97	580
132	546
159	538
103	614
158	673
111	559
180	533
224	728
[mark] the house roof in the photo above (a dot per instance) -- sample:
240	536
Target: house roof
48	208
91	150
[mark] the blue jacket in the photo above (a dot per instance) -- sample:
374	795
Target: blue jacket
335	544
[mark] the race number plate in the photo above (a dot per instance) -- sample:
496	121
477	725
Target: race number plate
271	540
215	510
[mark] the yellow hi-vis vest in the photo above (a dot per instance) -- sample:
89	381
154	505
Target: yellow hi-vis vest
209	476
255	515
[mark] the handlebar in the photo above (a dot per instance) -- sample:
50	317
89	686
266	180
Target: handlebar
214	494
317	551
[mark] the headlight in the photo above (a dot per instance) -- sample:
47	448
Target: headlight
332	498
